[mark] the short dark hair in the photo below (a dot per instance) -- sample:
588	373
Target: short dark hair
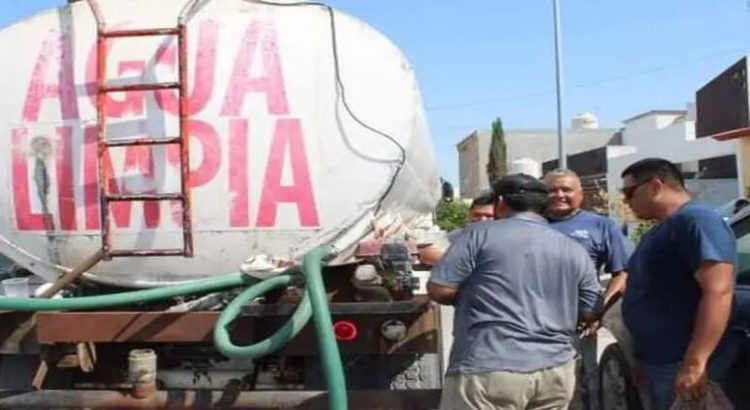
660	168
484	199
521	192
527	203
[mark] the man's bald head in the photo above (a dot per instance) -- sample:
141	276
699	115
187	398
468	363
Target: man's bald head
565	192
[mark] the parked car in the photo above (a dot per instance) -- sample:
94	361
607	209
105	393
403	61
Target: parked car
732	207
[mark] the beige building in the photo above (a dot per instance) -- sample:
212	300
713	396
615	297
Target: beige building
527	149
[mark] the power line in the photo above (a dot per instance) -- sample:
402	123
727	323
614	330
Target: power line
590	84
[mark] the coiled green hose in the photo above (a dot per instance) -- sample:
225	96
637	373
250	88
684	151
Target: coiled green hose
314	303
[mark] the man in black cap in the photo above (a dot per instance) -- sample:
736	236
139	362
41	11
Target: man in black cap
518	287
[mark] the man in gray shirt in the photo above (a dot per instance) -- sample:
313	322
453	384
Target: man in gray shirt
519	289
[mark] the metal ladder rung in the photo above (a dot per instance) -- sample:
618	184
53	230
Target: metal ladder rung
141	32
115	253
107	88
143	197
126	142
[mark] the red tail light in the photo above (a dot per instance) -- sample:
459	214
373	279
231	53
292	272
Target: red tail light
345	331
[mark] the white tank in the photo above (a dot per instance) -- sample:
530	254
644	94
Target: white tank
279	162
526	166
584	121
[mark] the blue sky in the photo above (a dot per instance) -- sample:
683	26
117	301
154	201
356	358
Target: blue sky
477	60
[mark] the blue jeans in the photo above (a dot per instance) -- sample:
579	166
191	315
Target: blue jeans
660	378
659	385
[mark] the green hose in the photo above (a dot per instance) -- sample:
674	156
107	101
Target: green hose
330	356
271	344
315	299
126	298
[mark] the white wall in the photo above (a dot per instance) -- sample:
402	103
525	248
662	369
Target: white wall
615	151
676	143
525	166
638	131
665	120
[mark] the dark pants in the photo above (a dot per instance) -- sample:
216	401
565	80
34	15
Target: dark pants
586	377
660	378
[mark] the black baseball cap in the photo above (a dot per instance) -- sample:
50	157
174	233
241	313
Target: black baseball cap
518	185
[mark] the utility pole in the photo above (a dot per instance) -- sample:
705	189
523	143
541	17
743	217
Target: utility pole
561	153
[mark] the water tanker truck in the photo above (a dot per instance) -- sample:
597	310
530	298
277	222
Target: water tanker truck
220	204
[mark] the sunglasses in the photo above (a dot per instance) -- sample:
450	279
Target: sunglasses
628	191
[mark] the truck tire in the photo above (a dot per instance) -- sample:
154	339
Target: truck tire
616	389
392	372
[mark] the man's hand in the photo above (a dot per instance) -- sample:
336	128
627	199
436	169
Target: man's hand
716	280
586	329
691	381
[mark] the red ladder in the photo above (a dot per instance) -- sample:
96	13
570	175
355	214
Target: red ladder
106	198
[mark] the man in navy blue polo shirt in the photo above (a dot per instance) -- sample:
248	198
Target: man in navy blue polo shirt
604	241
607	247
680	283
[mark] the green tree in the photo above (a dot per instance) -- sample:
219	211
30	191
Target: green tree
450	215
497	166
